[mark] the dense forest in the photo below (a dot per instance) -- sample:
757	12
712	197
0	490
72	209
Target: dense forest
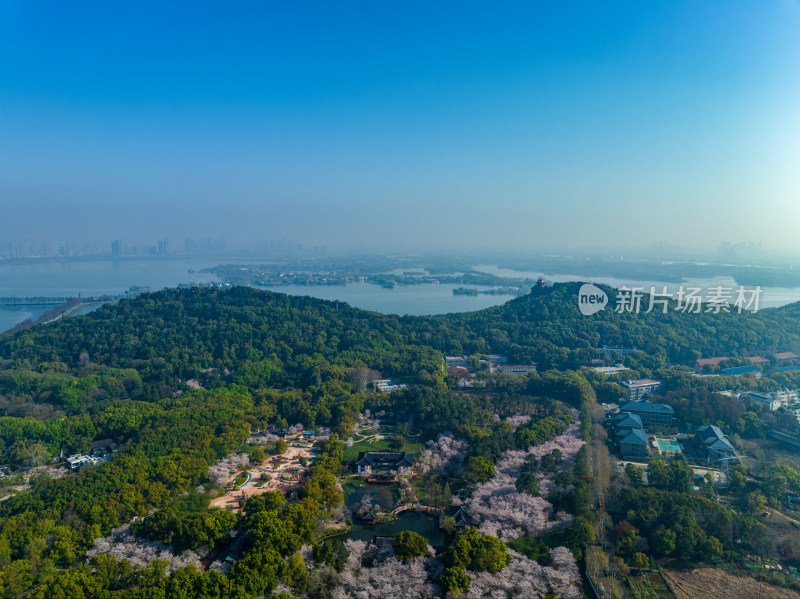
178	379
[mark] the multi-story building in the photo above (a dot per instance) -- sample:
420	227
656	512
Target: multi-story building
518	368
640	388
622	422
652	414
633	444
610	370
713	444
767	400
461	361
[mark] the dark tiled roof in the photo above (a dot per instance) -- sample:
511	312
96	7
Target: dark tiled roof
461	517
713	438
626	420
646	406
635	437
385	459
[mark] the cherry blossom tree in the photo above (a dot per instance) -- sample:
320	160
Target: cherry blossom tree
121	544
440	454
220	472
524	578
500	510
389	577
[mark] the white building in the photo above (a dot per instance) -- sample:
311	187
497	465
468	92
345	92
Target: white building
518	368
640	388
496	359
610	370
774	399
461	361
387	386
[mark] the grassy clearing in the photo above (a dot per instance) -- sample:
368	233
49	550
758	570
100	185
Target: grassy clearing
193	501
240	479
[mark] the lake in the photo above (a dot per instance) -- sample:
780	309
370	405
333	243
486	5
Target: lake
98	277
416	300
60	278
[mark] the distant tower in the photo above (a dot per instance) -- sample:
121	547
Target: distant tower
116	247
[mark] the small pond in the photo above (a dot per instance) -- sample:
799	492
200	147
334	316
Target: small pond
422	524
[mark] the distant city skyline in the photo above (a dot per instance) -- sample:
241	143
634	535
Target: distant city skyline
403	127
143	247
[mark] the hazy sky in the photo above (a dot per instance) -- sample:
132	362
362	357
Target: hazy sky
507	124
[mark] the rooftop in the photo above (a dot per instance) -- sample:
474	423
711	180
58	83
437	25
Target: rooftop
641	383
635	436
626	420
390	459
758	359
714	438
704	361
787	355
646	406
740	370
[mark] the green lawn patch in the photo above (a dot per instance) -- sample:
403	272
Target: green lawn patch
351	453
193	501
240	479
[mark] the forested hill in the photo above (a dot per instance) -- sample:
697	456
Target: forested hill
546	327
196	334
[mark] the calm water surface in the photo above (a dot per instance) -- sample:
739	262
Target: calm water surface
421	524
98	277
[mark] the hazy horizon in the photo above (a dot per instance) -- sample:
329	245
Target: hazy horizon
393	128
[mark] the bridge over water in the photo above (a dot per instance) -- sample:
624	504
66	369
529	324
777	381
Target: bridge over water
34	301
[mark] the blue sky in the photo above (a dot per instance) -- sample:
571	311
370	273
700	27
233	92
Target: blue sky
475	124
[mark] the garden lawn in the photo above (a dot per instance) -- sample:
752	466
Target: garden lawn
351	453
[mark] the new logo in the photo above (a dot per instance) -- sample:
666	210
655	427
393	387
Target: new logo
591	299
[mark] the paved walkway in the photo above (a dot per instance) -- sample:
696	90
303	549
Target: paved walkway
274	467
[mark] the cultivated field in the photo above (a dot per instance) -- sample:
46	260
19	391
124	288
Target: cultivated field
709	583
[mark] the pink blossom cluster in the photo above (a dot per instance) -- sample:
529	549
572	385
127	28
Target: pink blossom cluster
263	438
220	472
365	420
501	511
121	544
569	442
193	384
445	451
53	472
221	566
518	419
524	578
388	578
